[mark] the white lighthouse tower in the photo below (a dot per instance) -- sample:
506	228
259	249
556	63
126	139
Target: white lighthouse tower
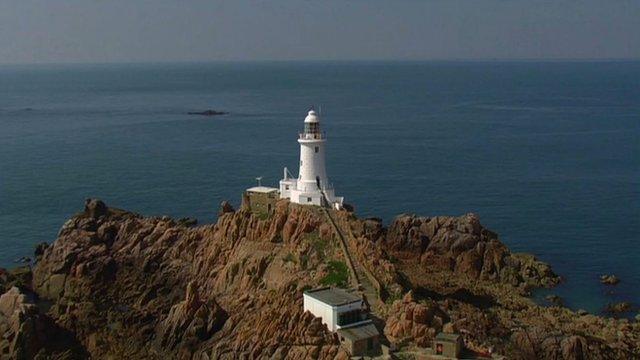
312	185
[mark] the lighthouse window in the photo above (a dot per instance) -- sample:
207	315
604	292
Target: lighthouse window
308	199
312	128
317	148
300	162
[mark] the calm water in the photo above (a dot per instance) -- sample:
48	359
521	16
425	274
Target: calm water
548	154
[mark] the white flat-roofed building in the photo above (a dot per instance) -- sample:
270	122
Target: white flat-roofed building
345	314
262	189
312	186
337	308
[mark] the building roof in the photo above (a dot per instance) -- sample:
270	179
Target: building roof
447	337
359	332
262	189
333	296
312	117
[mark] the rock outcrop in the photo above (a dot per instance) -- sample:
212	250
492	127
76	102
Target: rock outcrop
463	246
131	287
190	321
619	308
609	279
115	284
25	333
410	321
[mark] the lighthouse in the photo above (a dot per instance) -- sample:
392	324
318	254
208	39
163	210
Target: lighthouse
312	186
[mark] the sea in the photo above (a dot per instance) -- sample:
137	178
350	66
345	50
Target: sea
547	154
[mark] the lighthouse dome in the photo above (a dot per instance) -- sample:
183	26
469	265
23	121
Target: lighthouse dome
312	117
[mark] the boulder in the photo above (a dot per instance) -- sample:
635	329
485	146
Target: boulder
609	279
574	348
449	328
409	320
40	249
95	208
554	300
187	221
10	301
23	260
20	277
225	207
618	308
191	318
25	333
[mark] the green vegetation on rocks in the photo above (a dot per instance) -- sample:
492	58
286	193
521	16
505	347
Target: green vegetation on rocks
289	258
338	275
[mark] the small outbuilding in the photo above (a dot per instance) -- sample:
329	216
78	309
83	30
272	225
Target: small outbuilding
448	345
261	200
360	340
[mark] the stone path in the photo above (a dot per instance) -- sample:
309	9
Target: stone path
365	286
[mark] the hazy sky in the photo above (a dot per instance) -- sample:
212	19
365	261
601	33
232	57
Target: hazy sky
203	30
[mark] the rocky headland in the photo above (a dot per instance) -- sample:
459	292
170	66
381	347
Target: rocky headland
115	284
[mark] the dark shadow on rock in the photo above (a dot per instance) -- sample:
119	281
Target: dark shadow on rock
461	294
61	341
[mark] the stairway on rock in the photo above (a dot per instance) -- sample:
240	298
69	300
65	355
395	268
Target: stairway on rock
366	287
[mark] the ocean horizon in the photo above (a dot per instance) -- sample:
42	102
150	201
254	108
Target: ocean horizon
546	153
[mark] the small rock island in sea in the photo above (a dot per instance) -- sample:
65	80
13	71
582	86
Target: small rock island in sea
207	113
115	284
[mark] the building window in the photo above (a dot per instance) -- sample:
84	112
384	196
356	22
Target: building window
308	199
286	187
349	317
300	162
317	148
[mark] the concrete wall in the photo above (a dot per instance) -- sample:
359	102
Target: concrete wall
302	197
361	347
285	188
262	203
449	348
328	313
321	310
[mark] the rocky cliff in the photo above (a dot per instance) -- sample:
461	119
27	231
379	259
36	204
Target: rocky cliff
115	284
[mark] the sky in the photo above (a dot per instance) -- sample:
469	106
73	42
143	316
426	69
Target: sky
99	31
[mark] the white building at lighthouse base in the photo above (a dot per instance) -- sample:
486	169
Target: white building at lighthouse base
322	197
